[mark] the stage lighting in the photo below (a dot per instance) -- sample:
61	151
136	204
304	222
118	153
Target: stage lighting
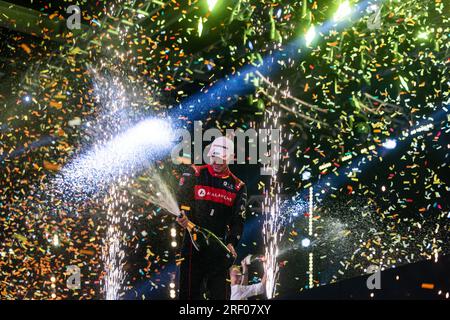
172	294
27	98
173	244
383	188
173	232
310	35
211	4
390	144
306	243
306	175
343	11
172	285
373	8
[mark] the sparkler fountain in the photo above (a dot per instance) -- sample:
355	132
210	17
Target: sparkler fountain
121	149
273	227
118	199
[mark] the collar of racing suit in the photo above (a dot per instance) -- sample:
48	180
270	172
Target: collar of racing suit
222	175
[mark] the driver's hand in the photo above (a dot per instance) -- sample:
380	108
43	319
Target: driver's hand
183	221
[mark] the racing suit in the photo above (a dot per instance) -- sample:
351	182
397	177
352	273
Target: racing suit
216	202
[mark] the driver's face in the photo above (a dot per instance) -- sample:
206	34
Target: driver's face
218	165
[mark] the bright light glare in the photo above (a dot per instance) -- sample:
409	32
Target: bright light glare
148	133
306	243
310	35
390	144
306	175
343	11
211	4
128	151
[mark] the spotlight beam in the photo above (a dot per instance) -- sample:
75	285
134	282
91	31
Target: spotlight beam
226	91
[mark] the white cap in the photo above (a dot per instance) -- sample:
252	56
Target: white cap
222	148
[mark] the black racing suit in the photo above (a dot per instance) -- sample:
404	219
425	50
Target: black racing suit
217	203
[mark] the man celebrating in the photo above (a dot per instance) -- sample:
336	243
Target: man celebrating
240	289
212	198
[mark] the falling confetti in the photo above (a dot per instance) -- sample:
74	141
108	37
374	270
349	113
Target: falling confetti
360	92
